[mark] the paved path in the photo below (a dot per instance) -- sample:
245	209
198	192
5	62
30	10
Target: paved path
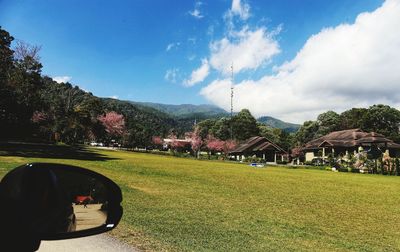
97	243
89	217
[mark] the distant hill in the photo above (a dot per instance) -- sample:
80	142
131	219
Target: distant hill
276	123
186	114
186	110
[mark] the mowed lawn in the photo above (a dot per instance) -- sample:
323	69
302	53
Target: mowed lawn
179	204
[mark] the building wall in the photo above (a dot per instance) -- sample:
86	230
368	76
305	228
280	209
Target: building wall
309	156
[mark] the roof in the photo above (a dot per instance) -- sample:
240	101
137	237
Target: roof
255	144
350	138
169	140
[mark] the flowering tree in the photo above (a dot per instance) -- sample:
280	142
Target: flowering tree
195	141
229	145
214	144
38	117
156	140
297	152
114	123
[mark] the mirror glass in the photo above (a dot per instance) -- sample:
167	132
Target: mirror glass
50	201
88	198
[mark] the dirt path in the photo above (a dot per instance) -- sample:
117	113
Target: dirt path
97	243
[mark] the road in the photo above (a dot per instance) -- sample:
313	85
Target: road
97	243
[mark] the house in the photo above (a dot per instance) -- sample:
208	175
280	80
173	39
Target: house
260	147
182	144
352	141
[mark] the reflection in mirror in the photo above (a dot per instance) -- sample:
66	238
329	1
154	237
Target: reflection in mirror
54	201
88	198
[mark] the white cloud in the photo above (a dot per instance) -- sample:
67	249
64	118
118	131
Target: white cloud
199	74
171	75
196	13
240	9
171	46
62	79
114	97
350	65
247	49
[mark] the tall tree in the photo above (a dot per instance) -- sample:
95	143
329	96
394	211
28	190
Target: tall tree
383	119
328	122
222	129
205	127
114	123
244	125
6	66
272	134
307	132
352	118
196	142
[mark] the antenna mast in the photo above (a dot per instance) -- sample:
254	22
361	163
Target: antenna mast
232	90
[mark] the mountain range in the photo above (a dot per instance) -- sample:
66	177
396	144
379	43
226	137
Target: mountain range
205	111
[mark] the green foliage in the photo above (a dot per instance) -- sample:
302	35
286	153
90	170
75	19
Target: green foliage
307	132
382	119
352	118
278	136
202	111
142	123
328	122
244	125
272	134
253	160
205	127
379	118
222	129
19	87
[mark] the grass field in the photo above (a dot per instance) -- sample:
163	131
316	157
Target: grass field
181	204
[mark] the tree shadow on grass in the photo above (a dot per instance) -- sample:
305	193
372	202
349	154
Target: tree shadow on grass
39	150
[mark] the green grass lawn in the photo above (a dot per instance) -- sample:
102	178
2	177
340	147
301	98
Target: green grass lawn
179	204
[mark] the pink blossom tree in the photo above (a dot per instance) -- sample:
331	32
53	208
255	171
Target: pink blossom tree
157	141
38	117
296	154
229	145
195	141
113	123
214	144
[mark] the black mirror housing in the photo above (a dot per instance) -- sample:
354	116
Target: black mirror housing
29	191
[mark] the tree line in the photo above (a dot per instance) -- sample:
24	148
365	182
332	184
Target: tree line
34	107
378	118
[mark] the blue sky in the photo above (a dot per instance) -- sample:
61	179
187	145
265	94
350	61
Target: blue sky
150	50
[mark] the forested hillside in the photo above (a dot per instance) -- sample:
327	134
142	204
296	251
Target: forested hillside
185	110
276	123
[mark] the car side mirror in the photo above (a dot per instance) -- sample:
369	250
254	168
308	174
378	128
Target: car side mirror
56	201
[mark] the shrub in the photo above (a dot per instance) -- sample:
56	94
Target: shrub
253	160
